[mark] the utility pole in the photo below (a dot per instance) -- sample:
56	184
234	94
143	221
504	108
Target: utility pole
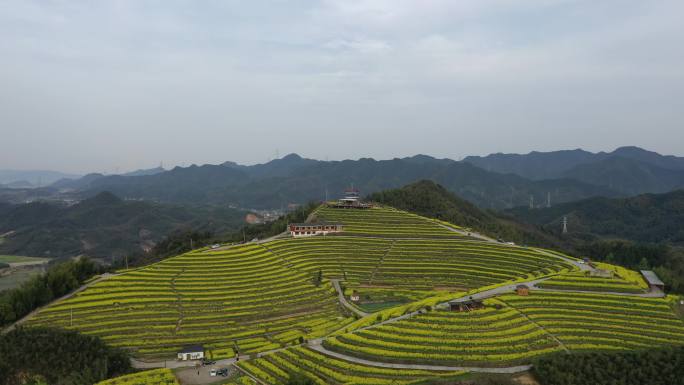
548	199
192	247
126	256
565	225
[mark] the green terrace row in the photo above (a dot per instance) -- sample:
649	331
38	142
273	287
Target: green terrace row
383	221
416	263
325	370
601	321
148	377
579	281
486	337
160	334
211	298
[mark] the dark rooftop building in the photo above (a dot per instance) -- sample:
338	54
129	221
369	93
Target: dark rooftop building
467	305
652	279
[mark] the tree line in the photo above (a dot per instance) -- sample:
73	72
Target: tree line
663	366
38	356
41	289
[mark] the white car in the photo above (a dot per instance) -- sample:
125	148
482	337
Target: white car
213	373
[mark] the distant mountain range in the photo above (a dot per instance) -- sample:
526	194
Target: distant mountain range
294	179
627	170
31	178
497	181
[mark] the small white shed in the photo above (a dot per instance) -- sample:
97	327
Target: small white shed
194	352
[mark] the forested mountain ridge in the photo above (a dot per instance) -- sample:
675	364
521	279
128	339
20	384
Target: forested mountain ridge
627	170
628	176
293	179
643	218
103	226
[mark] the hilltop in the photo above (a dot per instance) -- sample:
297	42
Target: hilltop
432	200
341	309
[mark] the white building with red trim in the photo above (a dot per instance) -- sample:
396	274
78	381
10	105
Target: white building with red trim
311	229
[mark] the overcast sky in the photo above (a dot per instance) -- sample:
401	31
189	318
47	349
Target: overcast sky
106	85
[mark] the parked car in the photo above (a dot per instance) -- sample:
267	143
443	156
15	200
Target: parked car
213	372
222	372
206	362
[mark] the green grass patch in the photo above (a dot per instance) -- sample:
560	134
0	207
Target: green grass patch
377	306
16	278
19	258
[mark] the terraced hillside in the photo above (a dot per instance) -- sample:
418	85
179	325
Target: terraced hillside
263	297
584	282
149	377
417	264
244	297
385	221
523	328
601	322
460	264
487	337
325	370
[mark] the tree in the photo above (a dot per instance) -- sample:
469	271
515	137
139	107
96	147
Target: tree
58	357
299	379
318	278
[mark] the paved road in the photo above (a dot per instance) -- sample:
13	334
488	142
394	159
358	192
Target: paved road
653	293
73	293
471	234
343	299
507	370
29	263
258	242
496	291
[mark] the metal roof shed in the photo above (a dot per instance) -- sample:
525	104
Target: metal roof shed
652	279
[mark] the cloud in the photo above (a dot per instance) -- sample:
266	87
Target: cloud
128	83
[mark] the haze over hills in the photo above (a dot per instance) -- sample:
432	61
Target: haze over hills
627	170
295	179
32	178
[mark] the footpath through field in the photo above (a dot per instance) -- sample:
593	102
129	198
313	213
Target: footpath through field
343	299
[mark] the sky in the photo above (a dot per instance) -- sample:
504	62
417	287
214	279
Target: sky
114	86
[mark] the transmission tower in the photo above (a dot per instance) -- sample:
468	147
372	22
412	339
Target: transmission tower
565	225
